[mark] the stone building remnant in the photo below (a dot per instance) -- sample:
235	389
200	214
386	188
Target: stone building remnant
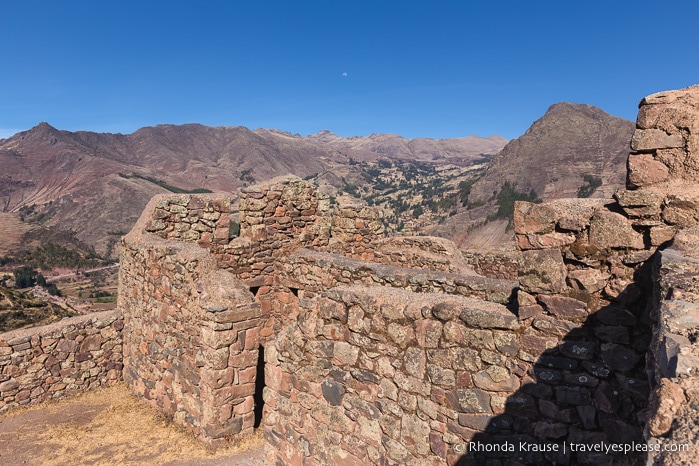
394	350
349	347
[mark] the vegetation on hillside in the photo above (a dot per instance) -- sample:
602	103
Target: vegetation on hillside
27	277
592	183
506	202
169	187
414	195
246	176
19	310
33	213
75	256
52	255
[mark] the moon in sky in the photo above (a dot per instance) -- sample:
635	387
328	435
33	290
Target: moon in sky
344	75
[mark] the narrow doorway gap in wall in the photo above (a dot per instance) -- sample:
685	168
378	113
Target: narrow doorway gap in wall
259	387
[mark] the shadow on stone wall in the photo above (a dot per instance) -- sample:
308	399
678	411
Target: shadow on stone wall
590	389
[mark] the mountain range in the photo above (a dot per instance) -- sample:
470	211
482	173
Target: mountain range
96	184
93	186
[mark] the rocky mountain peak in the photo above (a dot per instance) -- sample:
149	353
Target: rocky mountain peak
558	150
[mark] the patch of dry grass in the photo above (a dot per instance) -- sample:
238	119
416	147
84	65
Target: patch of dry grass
104	427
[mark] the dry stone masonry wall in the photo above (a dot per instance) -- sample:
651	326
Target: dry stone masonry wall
278	215
674	355
604	255
316	271
284	209
373	375
191	336
356	231
394	351
194	218
422	252
60	359
503	265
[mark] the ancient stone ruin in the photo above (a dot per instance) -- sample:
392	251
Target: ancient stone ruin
350	347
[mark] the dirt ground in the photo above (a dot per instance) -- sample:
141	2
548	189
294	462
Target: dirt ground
110	426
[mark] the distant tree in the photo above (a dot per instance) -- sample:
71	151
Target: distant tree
506	202
25	277
465	191
53	290
593	182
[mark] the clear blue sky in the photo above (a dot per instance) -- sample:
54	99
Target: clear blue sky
419	69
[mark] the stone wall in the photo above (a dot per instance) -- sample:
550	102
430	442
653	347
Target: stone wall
602	253
275	217
284	209
422	252
60	359
200	218
674	356
317	271
191	336
356	231
503	265
372	375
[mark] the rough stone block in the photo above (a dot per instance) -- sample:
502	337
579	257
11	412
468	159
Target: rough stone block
564	308
639	203
619	358
552	326
345	354
544	241
679	315
532	218
428	333
464	359
91	343
468	401
542	271
522	405
612	333
573	396
667	401
489	316
661	234
332	392
651	139
609	230
496	379
414	362
681	210
588	280
232	427
218	339
644	170
414	432
553	411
